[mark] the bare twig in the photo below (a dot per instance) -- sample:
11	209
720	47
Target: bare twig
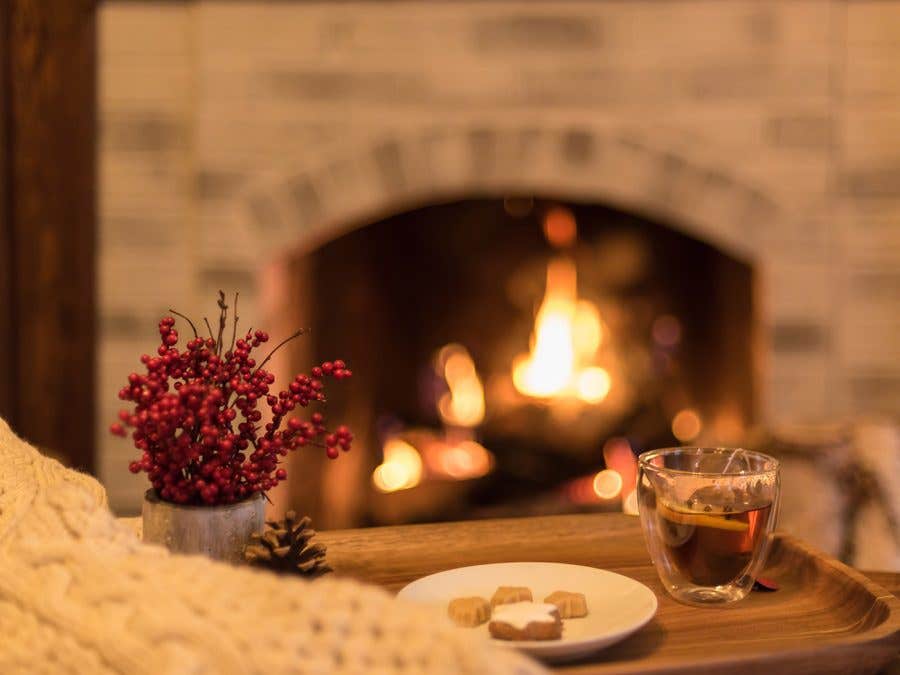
279	346
193	327
208	327
223	313
234	333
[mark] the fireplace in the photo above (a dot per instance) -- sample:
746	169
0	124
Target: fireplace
508	345
270	148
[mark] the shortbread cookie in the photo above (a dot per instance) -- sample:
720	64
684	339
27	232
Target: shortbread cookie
507	594
570	605
469	612
526	621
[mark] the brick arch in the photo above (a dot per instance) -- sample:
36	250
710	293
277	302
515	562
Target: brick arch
402	171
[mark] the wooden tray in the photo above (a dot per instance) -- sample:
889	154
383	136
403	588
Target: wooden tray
827	618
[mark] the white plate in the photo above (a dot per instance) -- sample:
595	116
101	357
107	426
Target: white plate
617	606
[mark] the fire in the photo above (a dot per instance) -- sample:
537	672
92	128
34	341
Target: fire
593	384
405	465
452	453
401	468
607	484
603	487
686	425
463	404
559	227
463	460
567	334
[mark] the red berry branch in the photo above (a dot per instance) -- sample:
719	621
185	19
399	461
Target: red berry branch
198	415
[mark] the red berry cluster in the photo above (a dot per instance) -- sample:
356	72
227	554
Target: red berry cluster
198	416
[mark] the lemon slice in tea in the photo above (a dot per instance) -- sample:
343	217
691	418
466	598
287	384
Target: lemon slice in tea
719	521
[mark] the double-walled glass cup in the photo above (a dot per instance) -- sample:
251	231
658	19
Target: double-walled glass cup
708	516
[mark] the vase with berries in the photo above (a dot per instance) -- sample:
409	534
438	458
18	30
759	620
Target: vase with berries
213	430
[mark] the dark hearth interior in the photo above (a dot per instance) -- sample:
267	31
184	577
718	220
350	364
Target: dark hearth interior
623	334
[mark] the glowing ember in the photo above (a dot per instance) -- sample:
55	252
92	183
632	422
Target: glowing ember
463	404
465	460
667	330
401	468
603	487
618	456
567	335
593	385
581	491
686	425
608	484
559	227
587	331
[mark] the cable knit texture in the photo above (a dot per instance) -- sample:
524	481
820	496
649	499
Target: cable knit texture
80	594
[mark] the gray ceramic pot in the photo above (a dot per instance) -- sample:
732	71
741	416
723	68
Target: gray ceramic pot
219	532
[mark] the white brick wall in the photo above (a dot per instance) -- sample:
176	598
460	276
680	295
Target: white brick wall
233	130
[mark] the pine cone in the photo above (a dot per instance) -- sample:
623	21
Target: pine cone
284	547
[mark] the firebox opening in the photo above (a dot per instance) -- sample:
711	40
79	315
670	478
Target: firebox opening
519	352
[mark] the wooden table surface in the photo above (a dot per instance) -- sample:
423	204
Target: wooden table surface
393	556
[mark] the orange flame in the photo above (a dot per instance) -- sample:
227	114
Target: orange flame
567	334
463	404
460	461
401	468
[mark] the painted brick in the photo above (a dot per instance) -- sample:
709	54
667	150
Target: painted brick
231	131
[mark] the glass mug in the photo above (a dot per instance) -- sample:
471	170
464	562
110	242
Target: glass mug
708	516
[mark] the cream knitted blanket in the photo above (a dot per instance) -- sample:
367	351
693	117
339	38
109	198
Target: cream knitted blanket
80	594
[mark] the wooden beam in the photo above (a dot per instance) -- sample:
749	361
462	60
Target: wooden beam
7	362
50	96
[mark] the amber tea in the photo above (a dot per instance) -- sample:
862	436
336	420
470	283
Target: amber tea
714	547
708	516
